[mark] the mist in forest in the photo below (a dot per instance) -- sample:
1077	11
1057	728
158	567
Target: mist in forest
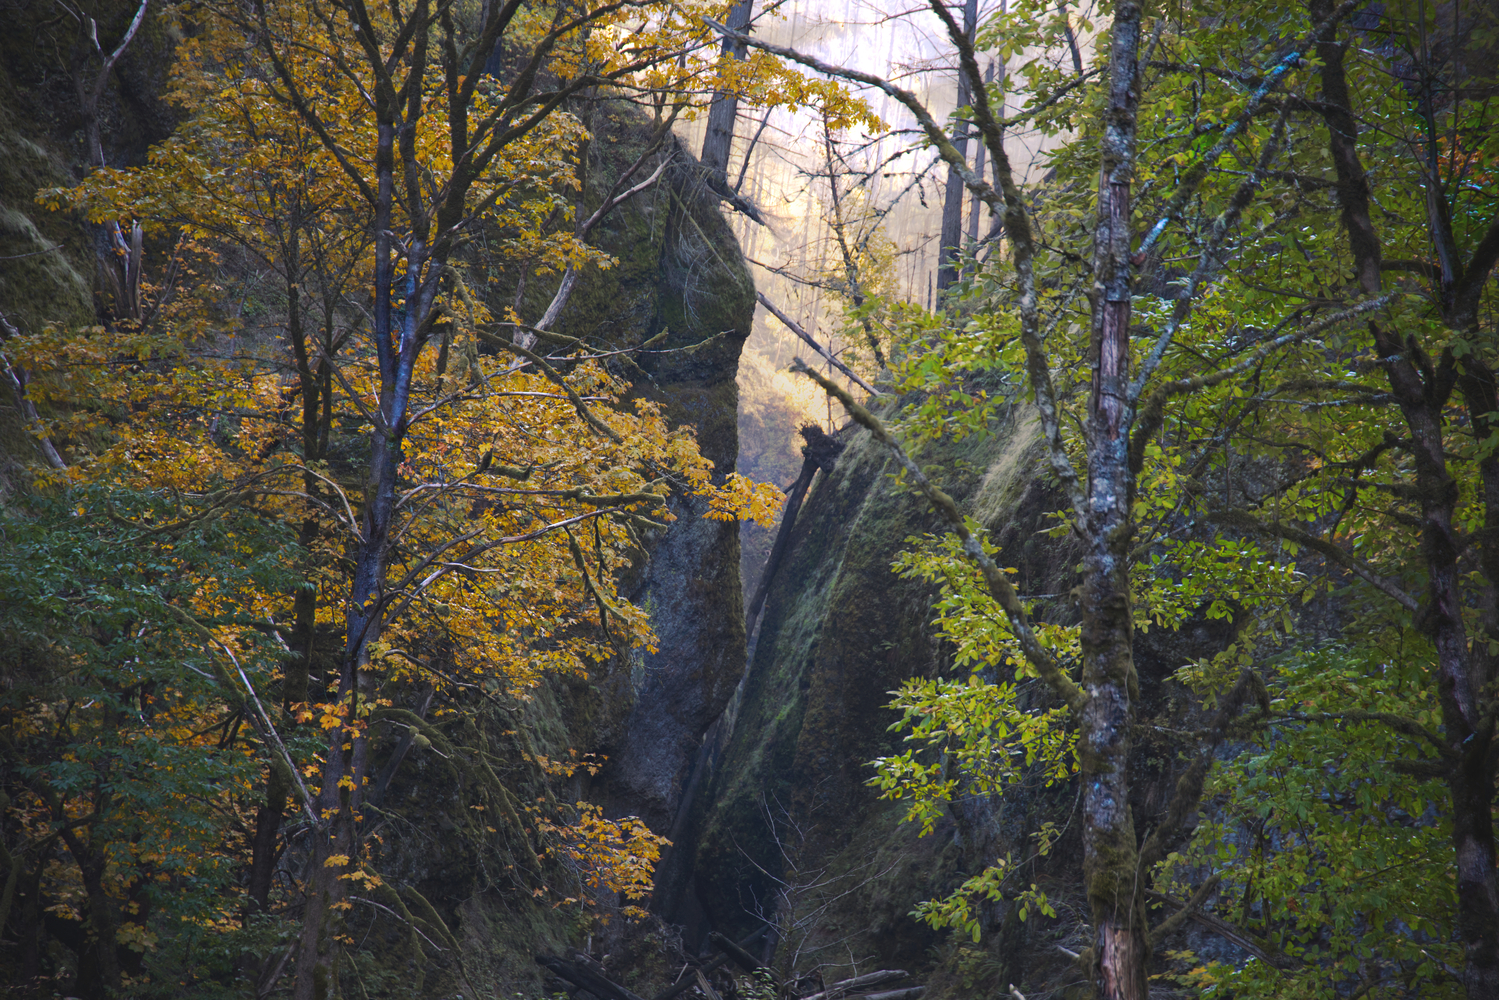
780	162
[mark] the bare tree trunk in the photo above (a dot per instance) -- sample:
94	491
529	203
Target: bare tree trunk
996	67
952	201
263	852
118	261
820	452
16	376
719	138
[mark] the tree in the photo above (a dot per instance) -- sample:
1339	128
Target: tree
1385	493
718	138
1118	403
951	246
1328	840
122	759
500	499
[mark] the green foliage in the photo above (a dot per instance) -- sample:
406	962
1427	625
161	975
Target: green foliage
1289	477
970	738
959	912
125	753
967	615
973	736
759	985
1332	849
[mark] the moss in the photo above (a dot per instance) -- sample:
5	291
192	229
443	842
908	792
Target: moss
42	278
840	631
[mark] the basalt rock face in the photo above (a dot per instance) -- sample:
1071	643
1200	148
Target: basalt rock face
788	806
787	829
680	273
680	287
47	268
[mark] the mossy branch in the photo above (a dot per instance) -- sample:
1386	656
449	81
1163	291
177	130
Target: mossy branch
1401	724
1173	923
449	751
428	914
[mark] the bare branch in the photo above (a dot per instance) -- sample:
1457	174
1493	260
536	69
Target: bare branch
1006	202
114	57
792	325
17	379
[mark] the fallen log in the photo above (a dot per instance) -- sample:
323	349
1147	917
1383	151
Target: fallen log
909	993
741	958
602	987
858	983
820	452
688	982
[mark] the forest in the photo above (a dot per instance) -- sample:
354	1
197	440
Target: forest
639	499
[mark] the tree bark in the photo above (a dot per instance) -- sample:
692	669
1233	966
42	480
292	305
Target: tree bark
1120	948
263	852
718	140
820	452
335	850
951	246
98	962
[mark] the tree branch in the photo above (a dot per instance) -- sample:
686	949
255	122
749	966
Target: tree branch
1193	176
999	586
792	325
1248	522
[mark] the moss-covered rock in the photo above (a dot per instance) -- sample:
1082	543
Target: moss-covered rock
789	830
678	274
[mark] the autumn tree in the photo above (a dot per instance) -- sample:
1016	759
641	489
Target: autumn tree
380	163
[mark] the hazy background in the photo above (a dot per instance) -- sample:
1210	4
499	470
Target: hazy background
785	176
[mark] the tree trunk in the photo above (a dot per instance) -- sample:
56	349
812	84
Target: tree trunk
263	852
98	962
820	452
996	67
952	201
718	141
294	684
1422	387
336	850
1120	948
